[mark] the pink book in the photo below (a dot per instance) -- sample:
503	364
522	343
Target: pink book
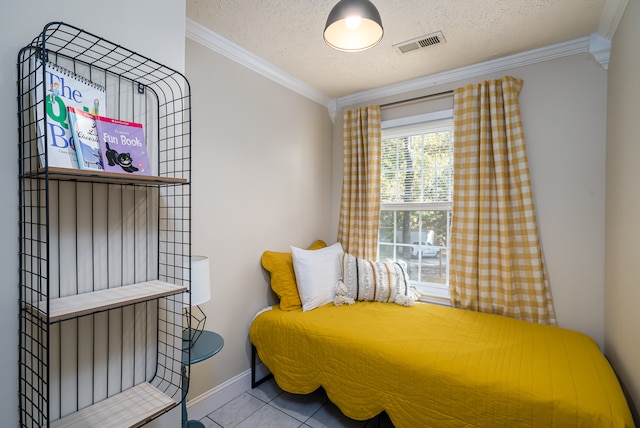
122	146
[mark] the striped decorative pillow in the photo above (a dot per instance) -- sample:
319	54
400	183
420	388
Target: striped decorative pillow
372	281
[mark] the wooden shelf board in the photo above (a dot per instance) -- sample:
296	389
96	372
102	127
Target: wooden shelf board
68	174
77	305
131	408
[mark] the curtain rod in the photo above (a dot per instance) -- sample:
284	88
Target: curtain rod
416	99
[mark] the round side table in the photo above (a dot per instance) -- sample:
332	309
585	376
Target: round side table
207	345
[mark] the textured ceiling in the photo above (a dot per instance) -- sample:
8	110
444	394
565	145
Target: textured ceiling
288	35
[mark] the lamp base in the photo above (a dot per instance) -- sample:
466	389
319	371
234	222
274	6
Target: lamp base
196	323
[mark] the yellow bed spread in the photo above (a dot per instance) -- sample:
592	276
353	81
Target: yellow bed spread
434	366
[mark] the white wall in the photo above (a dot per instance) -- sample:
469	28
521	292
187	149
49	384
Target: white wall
154	32
261	171
563	107
622	317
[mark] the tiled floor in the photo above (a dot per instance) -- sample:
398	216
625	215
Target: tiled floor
268	406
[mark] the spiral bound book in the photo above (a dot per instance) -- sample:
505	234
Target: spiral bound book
61	89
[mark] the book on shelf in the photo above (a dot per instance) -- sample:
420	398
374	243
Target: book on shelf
123	146
85	138
61	89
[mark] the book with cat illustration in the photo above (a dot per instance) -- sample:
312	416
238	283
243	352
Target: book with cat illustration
61	89
85	138
123	146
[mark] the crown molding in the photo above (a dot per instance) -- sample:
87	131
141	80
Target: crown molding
600	41
600	49
501	64
610	18
597	46
200	34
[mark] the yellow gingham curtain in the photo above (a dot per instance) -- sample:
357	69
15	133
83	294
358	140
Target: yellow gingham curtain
360	206
496	262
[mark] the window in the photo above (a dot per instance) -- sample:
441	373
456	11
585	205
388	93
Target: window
416	199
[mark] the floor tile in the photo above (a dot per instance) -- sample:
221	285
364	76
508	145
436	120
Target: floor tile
266	391
269	417
235	411
208	423
330	416
268	406
300	406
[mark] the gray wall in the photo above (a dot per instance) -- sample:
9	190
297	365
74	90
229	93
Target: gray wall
622	318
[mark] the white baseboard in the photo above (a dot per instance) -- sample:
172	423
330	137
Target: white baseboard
202	405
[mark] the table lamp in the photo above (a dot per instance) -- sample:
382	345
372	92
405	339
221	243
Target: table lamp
200	290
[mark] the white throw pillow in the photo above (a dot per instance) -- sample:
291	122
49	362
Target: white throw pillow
317	273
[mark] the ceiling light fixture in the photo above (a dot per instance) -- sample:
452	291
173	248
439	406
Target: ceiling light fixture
353	25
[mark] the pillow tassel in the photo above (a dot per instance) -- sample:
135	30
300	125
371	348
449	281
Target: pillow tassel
342	295
403	300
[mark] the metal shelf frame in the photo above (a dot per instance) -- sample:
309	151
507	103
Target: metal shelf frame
104	257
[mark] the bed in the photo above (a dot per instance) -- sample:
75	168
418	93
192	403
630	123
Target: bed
433	366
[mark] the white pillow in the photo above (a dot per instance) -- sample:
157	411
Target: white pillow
317	273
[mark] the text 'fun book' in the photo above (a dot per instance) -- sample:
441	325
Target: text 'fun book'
123	146
62	89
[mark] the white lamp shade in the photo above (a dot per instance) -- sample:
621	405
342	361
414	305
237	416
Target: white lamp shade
353	25
200	281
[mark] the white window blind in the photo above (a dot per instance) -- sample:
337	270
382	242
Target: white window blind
417	163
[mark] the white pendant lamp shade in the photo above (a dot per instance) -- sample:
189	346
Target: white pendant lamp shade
200	282
353	25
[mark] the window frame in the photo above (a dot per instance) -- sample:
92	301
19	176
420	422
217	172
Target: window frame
429	292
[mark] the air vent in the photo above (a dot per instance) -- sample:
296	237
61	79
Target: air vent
421	42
